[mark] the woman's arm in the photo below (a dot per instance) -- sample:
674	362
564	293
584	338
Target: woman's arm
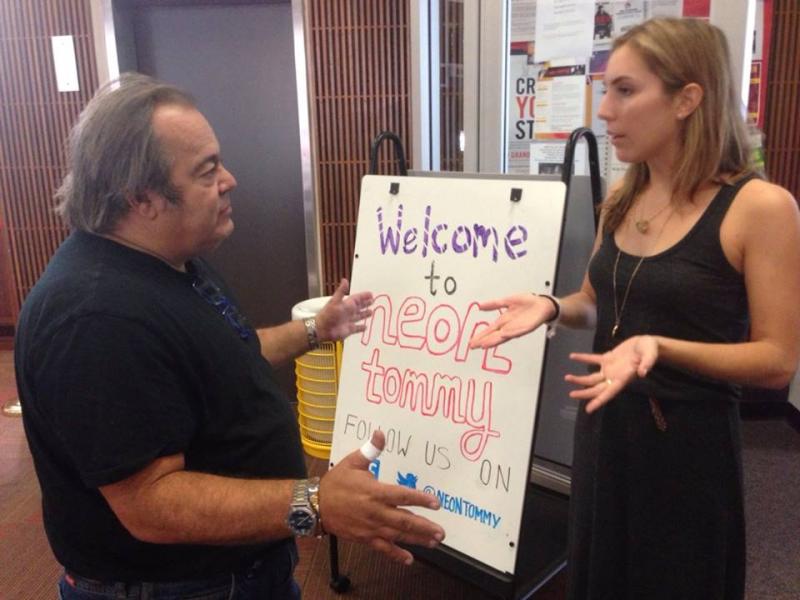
764	234
525	312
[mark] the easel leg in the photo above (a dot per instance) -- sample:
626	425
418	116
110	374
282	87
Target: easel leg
339	583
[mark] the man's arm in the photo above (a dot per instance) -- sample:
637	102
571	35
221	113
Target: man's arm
340	317
283	343
165	504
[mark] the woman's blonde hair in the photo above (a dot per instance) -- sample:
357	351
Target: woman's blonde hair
714	139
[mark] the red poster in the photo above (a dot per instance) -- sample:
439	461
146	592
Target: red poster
697	8
756	106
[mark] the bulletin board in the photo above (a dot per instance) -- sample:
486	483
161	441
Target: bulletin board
558	52
458	423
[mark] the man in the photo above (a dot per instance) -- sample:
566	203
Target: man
169	459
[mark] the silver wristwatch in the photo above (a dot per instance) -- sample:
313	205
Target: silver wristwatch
311	333
303	518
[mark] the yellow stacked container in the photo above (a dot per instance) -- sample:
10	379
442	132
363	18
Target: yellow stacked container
317	374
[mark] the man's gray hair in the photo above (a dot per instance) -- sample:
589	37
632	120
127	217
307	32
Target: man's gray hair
114	156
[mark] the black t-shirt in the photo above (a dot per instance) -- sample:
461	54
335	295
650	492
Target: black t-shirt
120	361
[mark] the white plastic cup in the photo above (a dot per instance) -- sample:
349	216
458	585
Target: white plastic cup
309	308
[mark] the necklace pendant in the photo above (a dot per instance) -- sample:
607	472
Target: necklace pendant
614	330
642	226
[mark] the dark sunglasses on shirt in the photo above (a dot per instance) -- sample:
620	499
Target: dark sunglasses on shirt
214	296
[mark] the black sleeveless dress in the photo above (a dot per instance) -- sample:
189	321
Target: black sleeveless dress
656	510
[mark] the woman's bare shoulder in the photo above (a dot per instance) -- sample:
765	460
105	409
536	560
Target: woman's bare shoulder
760	190
760	199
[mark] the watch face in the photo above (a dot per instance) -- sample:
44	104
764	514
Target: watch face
302	521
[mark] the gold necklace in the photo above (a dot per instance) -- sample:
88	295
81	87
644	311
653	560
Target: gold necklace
643	225
618	310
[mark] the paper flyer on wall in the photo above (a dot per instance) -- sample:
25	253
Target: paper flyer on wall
663	8
677	8
523	20
613	18
603	26
627	15
523	74
547	158
563	29
560	104
598	125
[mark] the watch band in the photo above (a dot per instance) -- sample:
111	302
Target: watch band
300	492
303	518
311	333
313	500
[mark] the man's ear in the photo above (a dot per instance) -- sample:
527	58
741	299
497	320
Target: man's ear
147	205
688	99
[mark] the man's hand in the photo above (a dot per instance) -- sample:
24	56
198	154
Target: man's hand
356	507
342	316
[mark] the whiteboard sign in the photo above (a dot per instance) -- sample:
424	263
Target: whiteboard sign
458	422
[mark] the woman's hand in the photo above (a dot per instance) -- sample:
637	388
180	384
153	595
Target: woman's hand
632	358
521	314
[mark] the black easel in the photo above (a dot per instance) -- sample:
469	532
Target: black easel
594	166
341	583
398	148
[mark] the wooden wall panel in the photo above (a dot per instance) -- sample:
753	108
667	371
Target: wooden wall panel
359	85
34	124
782	125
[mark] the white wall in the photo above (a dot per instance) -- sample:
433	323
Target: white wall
737	19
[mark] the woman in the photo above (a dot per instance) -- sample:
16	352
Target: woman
692	288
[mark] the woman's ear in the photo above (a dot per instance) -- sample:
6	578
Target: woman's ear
688	99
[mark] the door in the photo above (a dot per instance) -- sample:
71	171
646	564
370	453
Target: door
237	60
